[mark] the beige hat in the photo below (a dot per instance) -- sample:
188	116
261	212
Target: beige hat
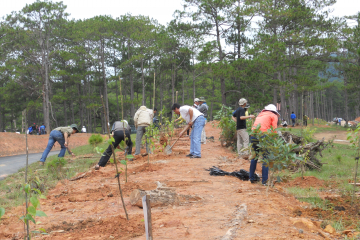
196	100
242	101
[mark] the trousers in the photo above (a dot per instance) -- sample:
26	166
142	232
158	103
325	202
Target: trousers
195	137
118	137
242	140
55	136
265	167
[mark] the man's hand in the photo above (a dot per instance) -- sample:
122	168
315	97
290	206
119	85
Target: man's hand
118	147
251	116
73	154
66	144
190	124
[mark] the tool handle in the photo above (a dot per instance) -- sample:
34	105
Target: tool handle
185	129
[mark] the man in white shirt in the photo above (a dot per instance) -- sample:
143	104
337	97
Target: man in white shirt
194	118
83	130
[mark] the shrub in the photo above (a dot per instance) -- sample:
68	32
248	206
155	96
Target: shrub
55	167
95	139
227	125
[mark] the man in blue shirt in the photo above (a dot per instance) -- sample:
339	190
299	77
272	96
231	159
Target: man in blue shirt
293	118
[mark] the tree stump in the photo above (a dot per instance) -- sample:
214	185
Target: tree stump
158	197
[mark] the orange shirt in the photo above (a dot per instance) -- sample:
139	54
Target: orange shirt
266	119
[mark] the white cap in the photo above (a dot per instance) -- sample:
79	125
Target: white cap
196	100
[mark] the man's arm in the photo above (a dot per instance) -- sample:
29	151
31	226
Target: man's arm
246	117
233	118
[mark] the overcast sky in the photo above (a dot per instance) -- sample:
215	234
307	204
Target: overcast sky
162	10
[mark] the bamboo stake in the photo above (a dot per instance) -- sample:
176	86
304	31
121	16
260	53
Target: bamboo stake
122	118
113	151
26	172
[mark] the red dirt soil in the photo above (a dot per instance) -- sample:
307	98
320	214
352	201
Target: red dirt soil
14	144
308	181
90	208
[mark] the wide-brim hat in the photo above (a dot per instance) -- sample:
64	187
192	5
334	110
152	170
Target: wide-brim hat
74	126
242	101
272	108
202	99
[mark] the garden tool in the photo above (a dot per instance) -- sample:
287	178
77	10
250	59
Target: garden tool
168	149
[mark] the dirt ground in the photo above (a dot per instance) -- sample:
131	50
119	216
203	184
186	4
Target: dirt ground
13	144
227	208
338	136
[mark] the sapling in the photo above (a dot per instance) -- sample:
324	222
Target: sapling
353	136
2	212
111	141
151	134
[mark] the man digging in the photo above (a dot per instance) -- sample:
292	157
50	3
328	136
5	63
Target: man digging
194	118
60	135
241	132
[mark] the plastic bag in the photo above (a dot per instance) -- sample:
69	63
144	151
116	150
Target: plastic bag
242	174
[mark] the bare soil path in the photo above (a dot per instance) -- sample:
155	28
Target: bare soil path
338	136
226	207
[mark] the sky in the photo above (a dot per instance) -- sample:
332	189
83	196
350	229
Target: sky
162	10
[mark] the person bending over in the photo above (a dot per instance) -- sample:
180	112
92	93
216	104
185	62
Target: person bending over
120	131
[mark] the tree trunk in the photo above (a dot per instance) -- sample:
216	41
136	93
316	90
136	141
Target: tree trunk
143	82
104	78
64	103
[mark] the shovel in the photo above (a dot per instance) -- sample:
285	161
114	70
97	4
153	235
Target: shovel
168	149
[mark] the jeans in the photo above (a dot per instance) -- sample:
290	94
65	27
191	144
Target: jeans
140	132
55	136
118	136
293	122
265	167
42	131
195	138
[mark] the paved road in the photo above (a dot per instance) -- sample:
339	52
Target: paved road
12	164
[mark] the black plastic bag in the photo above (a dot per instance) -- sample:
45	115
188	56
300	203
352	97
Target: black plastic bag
242	174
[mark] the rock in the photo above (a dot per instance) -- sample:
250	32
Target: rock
303	223
330	229
251	221
301	231
110	195
100	199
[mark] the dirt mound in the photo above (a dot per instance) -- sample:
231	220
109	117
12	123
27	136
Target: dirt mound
309	181
116	227
146	168
128	187
163	140
14	144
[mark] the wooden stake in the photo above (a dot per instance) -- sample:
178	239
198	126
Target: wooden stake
176	96
147	217
113	153
26	172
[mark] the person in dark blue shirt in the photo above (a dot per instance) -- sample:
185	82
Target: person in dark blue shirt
293	119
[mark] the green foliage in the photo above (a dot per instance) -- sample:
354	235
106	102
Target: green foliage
151	136
95	139
308	134
227	125
55	167
33	210
2	212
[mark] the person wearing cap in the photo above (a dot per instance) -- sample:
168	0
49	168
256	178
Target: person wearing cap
121	131
194	118
266	119
241	132
196	103
203	108
60	135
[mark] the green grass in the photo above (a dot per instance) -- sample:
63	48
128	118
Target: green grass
11	194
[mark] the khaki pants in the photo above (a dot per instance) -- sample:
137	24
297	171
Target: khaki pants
242	141
203	135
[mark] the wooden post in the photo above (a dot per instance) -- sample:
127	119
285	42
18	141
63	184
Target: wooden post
176	96
147	217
